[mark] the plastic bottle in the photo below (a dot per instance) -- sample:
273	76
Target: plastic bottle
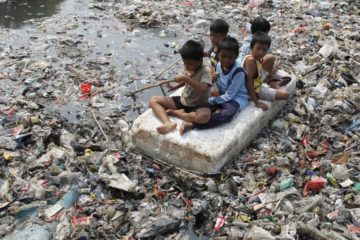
287	183
332	180
283	185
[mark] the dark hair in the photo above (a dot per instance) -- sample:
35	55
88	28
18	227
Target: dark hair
192	50
260	24
260	37
229	43
219	26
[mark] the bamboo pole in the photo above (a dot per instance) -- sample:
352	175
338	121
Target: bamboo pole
151	86
160	73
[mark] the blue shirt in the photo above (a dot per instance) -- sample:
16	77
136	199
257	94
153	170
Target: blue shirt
231	86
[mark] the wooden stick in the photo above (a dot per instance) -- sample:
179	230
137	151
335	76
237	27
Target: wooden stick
98	124
160	73
152	86
167	68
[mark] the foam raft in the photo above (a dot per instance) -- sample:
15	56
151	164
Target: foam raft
204	150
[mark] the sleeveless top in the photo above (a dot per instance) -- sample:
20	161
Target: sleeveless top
258	81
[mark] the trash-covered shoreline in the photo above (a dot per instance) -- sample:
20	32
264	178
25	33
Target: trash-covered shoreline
68	166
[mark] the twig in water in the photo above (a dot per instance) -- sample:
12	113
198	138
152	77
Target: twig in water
99	126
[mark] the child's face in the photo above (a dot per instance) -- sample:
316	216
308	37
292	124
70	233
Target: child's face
216	38
227	58
192	65
259	50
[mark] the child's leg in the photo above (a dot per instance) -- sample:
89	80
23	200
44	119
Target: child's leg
271	94
274	84
158	104
267	93
229	109
282	95
268	63
201	115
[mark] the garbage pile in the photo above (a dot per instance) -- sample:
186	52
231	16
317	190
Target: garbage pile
69	170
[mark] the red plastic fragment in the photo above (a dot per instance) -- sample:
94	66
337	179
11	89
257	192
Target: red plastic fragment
314	185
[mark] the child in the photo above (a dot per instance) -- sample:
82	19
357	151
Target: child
259	47
194	97
259	24
231	83
218	31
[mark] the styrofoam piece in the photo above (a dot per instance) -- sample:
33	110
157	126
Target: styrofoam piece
203	150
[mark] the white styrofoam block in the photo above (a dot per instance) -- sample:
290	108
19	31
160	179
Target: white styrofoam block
203	150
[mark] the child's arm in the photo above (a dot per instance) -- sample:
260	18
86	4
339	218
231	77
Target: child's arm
173	88
231	92
199	87
251	69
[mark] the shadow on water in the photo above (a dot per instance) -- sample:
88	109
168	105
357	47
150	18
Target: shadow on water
14	13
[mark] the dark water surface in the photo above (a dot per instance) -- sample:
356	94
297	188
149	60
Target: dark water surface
15	13
129	50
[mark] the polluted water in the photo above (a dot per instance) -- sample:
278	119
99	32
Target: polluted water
69	169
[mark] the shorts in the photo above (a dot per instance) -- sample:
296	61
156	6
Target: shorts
266	93
179	105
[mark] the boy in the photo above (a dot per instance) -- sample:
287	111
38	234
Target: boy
232	89
259	47
218	31
259	24
194	97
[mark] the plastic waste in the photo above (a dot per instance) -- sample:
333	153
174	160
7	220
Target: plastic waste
255	3
68	200
49	140
120	181
314	185
326	5
330	49
257	233
331	180
7	143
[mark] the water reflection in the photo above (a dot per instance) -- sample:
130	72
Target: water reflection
13	13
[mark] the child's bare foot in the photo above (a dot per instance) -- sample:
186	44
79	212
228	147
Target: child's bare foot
185	126
166	128
174	113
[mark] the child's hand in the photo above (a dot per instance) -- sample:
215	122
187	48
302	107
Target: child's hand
181	78
170	87
215	77
262	105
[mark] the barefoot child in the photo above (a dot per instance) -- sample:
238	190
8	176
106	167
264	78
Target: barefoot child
194	97
218	31
260	24
259	47
231	83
